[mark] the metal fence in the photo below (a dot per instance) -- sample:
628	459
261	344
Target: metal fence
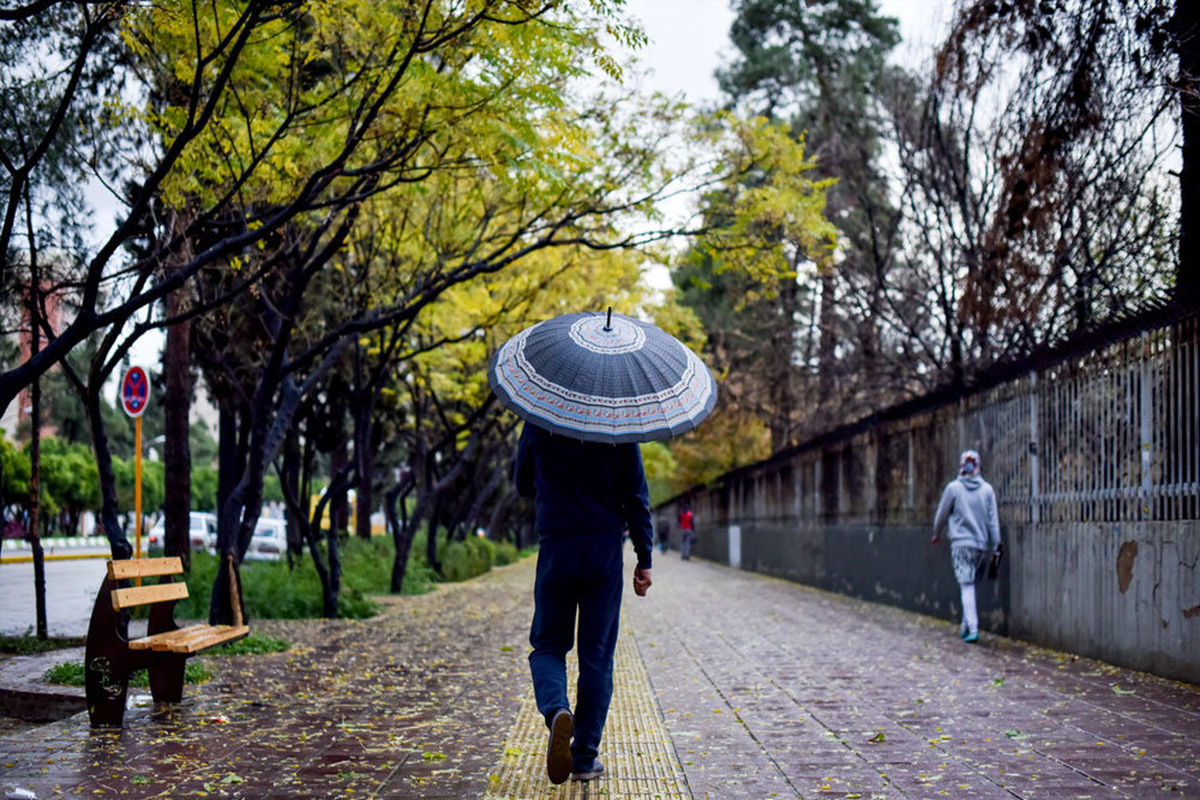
1107	435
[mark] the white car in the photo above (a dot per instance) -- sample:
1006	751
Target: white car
269	542
202	531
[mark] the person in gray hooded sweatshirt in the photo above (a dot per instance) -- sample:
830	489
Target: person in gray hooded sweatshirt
968	512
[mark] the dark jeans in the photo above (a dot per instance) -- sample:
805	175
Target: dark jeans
581	573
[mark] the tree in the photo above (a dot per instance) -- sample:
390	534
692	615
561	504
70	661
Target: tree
505	186
766	239
819	66
14	481
248	174
458	444
1035	165
71	480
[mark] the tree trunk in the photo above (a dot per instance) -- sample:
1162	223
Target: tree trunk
35	436
826	354
177	457
365	461
1187	34
118	542
229	461
292	487
331	578
782	349
339	507
35	486
308	531
499	512
482	496
390	503
431	547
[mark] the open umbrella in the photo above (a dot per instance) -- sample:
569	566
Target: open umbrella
603	379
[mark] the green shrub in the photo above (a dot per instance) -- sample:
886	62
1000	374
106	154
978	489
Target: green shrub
271	590
468	558
70	673
456	562
506	553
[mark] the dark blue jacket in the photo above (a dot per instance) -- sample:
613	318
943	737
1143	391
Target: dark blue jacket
581	488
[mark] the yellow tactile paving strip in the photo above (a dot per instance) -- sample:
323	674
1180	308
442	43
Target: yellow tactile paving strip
639	760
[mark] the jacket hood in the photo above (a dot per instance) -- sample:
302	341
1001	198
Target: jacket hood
972	482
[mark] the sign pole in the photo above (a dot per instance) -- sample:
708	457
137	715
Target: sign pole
137	483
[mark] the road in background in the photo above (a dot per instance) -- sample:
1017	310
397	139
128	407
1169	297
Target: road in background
71	587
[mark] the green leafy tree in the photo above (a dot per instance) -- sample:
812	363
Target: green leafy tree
820	67
204	488
767	239
662	472
70	479
14	480
152	486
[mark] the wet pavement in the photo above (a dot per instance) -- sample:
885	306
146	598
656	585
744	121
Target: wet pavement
732	685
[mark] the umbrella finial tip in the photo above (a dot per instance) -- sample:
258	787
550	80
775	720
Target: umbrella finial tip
608	322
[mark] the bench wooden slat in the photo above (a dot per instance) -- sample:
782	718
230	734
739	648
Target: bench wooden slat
144	595
191	639
144	567
163	640
186	644
220	635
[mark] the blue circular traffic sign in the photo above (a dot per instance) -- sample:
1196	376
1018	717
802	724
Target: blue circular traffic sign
135	391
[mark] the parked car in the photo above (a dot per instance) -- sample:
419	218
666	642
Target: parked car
202	531
269	542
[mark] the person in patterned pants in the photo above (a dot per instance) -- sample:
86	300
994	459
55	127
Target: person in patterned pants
967	514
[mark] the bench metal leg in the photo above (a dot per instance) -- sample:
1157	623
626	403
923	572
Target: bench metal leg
106	661
166	677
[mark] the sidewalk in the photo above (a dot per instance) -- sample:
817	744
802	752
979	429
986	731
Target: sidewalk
763	689
770	689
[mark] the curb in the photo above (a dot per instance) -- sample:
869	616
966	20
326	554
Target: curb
54	557
25	696
65	542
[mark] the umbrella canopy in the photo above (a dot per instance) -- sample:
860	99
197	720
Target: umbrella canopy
603	379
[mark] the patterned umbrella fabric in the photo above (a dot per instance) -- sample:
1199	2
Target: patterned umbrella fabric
603	378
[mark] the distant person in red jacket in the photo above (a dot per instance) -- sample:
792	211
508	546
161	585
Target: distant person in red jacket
687	532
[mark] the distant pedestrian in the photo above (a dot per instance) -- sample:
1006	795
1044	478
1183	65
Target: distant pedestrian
687	531
585	494
968	512
662	533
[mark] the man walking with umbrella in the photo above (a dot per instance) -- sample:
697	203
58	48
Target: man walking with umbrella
583	384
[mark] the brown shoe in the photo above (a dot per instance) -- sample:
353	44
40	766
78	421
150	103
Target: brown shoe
558	752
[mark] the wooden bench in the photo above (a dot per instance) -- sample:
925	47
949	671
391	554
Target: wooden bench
111	656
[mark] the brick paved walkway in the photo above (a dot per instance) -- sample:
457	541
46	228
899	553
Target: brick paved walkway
763	688
770	689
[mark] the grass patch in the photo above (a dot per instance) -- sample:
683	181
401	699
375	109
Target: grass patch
71	673
28	645
252	645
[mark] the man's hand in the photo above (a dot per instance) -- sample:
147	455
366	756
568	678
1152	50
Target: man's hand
641	581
